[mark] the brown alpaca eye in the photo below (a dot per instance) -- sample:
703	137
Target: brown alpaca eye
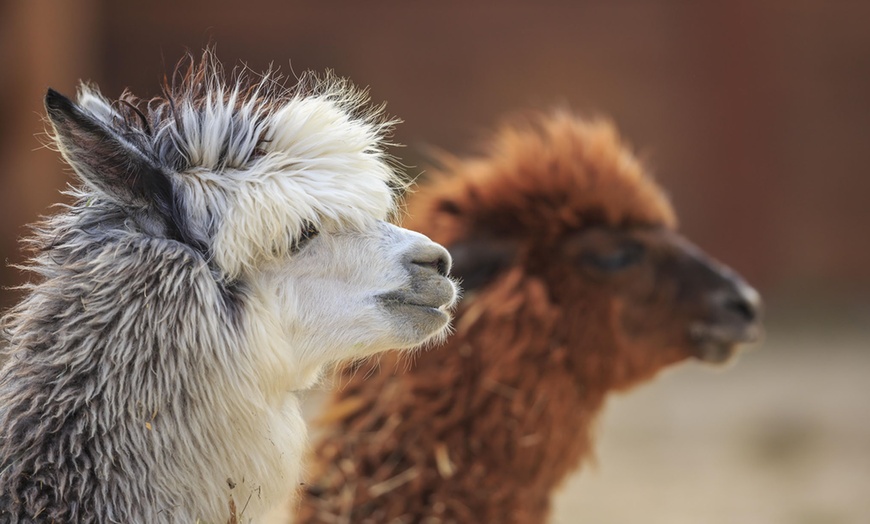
621	258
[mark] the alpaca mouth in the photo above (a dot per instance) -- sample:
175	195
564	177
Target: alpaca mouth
424	312
438	293
717	342
398	299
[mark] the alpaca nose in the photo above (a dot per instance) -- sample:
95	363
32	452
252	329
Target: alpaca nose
430	256
739	301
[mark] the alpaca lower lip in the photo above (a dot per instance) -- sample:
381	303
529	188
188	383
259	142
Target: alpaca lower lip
402	299
714	352
430	311
391	302
718	342
419	319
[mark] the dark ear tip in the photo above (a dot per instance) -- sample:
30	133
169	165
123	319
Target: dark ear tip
56	102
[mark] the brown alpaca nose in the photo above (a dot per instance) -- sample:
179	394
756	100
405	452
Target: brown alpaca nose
742	307
738	301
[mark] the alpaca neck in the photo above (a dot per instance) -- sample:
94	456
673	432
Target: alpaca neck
126	370
543	431
527	416
480	430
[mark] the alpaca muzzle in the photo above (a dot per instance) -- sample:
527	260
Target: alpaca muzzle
428	265
423	305
735	312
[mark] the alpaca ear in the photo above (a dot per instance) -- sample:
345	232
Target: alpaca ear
477	262
103	158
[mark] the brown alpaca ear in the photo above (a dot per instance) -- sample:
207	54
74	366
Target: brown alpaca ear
477	262
104	158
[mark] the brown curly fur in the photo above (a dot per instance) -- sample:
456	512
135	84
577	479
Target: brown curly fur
483	430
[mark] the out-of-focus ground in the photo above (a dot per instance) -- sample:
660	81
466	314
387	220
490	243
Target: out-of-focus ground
781	436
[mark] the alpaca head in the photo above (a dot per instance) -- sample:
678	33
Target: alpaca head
564	203
285	195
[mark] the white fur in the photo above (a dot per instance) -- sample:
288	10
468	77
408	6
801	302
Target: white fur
307	309
200	398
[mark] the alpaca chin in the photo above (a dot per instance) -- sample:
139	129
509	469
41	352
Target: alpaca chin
717	344
421	317
418	324
715	353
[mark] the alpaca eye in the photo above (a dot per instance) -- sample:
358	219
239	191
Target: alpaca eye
309	231
617	259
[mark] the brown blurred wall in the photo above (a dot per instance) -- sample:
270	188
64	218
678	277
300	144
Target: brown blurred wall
40	41
754	114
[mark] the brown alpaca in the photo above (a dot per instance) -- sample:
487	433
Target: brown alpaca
577	286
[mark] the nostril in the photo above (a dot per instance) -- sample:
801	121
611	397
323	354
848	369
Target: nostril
439	263
430	255
740	301
442	266
742	307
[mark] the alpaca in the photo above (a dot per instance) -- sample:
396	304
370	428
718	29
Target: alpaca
229	240
577	285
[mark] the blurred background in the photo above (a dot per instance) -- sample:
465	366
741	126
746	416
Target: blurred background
755	115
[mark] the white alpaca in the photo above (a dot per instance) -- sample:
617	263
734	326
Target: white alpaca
229	242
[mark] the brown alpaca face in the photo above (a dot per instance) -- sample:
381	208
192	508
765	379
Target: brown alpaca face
634	299
563	205
666	299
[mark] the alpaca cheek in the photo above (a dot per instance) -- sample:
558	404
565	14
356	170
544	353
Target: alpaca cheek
648	340
324	300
